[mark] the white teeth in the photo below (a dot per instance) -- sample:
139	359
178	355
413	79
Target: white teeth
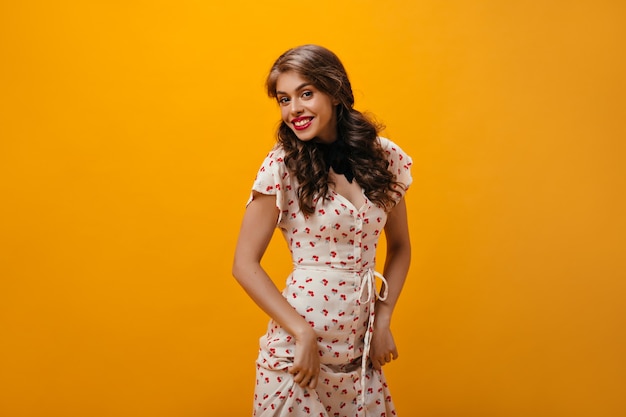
302	122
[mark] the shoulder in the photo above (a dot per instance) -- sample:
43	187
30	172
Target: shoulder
276	155
388	145
399	161
393	150
272	178
274	160
272	171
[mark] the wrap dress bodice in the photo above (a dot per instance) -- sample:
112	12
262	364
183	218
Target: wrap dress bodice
332	285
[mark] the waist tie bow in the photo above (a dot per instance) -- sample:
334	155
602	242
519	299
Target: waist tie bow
369	281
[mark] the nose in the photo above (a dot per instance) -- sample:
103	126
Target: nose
296	107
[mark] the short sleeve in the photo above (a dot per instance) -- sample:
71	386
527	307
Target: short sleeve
399	164
271	179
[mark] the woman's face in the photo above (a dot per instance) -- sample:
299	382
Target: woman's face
309	112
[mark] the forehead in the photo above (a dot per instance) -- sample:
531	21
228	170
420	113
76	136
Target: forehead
291	81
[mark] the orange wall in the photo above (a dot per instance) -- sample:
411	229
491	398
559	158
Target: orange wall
130	133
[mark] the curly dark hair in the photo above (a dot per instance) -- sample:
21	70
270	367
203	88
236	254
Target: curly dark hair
322	68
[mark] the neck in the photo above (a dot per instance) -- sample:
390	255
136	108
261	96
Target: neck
335	155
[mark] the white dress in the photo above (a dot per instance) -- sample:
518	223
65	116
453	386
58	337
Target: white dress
332	286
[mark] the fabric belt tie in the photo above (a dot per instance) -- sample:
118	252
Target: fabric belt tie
369	281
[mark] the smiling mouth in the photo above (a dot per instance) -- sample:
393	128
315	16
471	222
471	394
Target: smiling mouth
302	123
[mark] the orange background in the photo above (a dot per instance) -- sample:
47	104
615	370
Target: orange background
130	133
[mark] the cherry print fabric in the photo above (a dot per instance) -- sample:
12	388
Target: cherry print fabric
332	286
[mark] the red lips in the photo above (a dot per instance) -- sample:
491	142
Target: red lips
301	126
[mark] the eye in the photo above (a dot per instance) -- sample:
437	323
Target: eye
283	100
307	94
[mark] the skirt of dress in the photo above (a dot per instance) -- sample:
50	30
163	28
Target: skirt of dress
333	303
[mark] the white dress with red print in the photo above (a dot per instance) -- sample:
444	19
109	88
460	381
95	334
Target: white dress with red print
332	286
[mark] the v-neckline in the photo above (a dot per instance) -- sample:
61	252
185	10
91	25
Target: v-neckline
346	200
362	195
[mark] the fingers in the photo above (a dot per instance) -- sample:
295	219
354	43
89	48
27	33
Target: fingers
304	378
381	360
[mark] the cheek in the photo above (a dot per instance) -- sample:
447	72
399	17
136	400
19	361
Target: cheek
326	109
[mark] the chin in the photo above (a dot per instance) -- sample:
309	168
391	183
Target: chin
304	138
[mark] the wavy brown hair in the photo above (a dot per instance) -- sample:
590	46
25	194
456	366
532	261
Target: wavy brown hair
305	160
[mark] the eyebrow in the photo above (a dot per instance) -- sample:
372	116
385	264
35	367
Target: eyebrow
300	87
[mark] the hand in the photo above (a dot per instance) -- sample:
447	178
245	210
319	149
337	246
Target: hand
383	348
306	362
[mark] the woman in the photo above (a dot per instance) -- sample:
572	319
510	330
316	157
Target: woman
331	185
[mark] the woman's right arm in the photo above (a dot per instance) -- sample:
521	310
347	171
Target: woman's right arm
257	228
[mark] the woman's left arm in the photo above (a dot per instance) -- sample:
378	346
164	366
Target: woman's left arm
383	348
